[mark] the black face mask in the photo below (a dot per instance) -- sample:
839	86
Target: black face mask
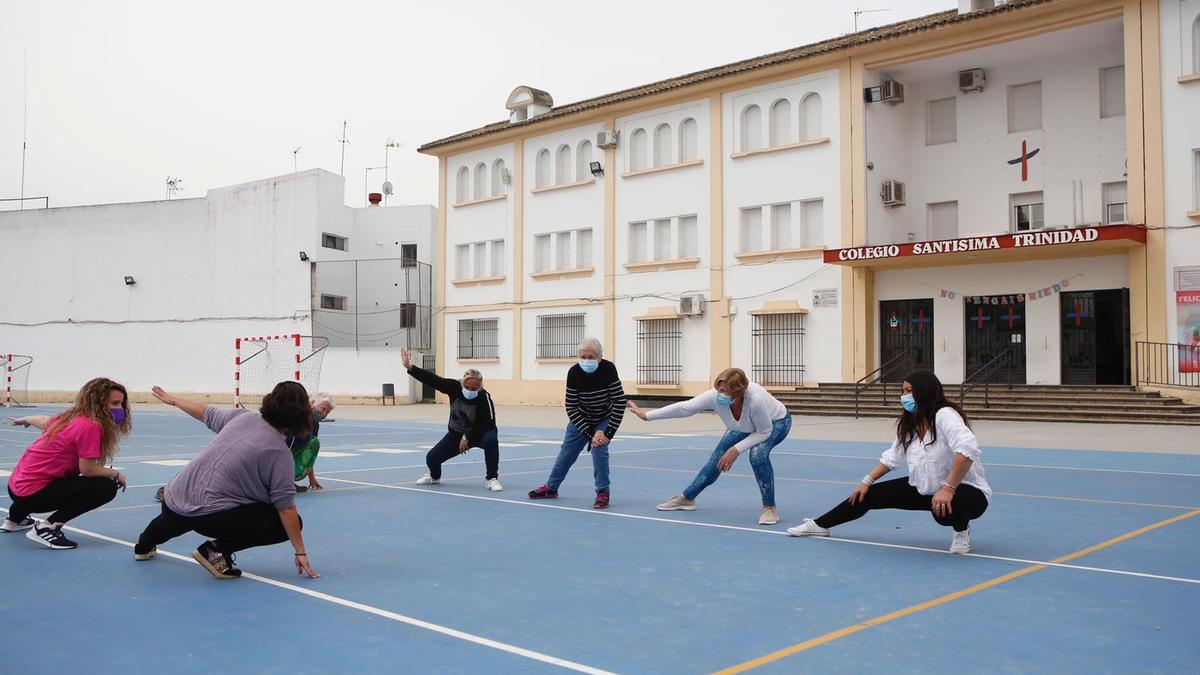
318	415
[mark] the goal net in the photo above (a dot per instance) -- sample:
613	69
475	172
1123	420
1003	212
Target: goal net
265	361
14	368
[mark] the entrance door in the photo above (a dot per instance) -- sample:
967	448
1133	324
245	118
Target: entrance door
906	326
1095	336
996	323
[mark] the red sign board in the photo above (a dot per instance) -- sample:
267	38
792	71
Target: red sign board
1082	235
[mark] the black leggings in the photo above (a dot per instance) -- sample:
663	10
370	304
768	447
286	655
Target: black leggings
967	504
67	497
233	530
447	449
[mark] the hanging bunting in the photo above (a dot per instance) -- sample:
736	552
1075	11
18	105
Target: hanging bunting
1052	289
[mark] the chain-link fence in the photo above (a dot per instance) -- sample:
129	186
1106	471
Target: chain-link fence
373	304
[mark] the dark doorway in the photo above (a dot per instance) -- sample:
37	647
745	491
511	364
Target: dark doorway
996	323
428	362
1095	336
906	326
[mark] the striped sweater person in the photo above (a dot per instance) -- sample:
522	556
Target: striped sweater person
595	407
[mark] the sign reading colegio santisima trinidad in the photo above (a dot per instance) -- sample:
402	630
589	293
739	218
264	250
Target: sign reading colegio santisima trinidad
1081	235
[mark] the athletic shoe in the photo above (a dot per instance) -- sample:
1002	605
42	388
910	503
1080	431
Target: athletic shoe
158	494
601	501
301	488
808	528
769	516
494	485
962	542
145	556
50	537
218	564
543	493
678	503
428	480
10	526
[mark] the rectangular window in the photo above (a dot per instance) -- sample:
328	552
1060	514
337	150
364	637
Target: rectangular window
559	335
778	349
1116	203
479	260
659	359
752	229
497	251
408	315
688	245
943	220
1028	211
335	242
542	256
662	239
814	222
462	261
941	121
478	338
562	250
1112	91
637	242
408	255
1025	107
1196	179
781	226
333	302
583	248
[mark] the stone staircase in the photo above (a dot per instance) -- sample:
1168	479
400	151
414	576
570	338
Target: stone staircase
1023	402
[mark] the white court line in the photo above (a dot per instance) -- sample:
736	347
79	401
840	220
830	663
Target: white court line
387	451
399	618
169	462
544	442
335	455
695	523
677	435
986	464
5	473
479	461
514	445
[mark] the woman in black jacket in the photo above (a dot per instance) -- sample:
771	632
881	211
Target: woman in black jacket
472	423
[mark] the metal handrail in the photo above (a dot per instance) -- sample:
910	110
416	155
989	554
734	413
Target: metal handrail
862	384
983	376
1169	364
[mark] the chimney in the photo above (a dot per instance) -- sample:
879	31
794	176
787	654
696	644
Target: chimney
526	103
375	198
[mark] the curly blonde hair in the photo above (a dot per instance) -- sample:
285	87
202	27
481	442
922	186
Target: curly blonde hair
92	402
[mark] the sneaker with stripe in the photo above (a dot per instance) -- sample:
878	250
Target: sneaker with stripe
12	526
50	537
218	564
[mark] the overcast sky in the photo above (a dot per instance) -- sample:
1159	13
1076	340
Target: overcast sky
123	93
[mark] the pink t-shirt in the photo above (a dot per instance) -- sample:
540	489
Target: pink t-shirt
58	457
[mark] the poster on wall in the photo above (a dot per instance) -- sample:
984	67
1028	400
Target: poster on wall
1187	317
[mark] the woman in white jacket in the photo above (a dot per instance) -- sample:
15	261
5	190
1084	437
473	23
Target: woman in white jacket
945	476
757	422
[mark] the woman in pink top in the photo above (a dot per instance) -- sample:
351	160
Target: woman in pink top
64	470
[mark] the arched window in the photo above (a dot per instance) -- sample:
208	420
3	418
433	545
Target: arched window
687	140
662	145
781	122
481	181
637	150
541	170
462	190
583	161
498	177
562	165
751	128
810	117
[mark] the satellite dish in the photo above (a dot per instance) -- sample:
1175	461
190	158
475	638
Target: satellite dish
387	187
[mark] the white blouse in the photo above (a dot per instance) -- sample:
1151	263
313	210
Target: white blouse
930	463
760	410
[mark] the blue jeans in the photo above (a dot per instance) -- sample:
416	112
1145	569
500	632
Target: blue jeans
573	444
760	461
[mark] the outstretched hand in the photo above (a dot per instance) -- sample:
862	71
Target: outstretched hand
162	395
19	421
637	410
404	359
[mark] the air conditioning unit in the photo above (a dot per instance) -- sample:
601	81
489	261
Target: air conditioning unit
691	305
892	192
606	138
892	92
971	80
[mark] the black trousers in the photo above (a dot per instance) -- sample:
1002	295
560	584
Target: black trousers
67	497
447	449
231	530
967	504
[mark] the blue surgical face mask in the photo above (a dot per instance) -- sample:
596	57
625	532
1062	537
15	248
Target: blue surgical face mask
909	403
724	399
470	394
589	365
118	415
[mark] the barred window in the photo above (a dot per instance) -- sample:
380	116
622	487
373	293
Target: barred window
408	315
559	335
478	338
778	349
659	354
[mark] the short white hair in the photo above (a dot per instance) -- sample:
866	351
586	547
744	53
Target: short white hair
322	397
593	344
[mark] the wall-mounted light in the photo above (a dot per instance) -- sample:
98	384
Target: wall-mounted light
129	281
597	169
872	94
303	256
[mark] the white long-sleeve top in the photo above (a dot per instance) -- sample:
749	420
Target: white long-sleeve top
930	463
760	410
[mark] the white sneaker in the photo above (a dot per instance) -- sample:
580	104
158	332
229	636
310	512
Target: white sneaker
427	480
962	542
10	526
678	503
494	485
769	516
808	528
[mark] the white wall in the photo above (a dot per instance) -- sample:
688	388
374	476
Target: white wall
363	373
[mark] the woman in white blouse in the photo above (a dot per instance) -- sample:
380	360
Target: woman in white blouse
757	422
945	476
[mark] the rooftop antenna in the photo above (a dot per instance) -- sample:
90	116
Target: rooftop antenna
387	185
174	184
860	12
295	157
24	119
343	142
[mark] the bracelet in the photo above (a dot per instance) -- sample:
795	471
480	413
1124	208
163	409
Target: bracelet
301	554
948	486
867	480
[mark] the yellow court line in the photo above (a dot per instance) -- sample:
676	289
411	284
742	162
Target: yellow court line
870	623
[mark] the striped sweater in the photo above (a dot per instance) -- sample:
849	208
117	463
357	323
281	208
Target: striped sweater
595	398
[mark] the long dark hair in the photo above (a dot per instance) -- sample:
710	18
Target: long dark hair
287	408
931	397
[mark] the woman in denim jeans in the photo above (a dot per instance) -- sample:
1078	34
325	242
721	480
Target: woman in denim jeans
757	422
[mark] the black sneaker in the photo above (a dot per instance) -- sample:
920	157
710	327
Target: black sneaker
11	526
218	564
158	494
50	537
301	488
544	492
